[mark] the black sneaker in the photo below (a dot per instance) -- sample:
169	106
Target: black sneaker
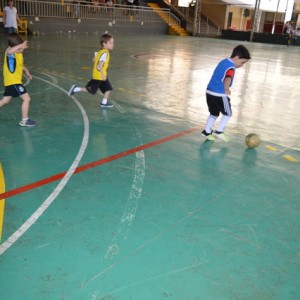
71	91
27	123
107	105
209	136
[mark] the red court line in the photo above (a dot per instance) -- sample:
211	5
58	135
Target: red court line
94	164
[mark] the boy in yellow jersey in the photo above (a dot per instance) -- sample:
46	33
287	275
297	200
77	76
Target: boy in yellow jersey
100	80
13	68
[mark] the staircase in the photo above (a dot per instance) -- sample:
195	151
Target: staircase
174	28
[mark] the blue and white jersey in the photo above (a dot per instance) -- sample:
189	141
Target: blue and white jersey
216	84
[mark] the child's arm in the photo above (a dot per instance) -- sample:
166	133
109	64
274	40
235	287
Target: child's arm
11	50
227	82
100	69
27	73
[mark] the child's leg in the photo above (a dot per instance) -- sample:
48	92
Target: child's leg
223	123
210	123
80	90
5	100
105	97
76	89
105	87
226	114
214	111
26	122
25	105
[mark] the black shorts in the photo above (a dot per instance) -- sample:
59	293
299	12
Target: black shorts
15	90
93	85
218	104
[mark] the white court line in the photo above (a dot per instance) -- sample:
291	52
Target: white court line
132	203
130	208
34	217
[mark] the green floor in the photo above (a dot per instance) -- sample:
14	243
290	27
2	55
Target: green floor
153	211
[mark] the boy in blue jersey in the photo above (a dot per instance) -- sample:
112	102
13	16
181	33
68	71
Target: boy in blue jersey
13	68
100	67
218	92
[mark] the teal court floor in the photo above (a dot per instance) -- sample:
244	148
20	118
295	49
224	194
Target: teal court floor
132	203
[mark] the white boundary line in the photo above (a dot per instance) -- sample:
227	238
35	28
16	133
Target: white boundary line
34	217
133	199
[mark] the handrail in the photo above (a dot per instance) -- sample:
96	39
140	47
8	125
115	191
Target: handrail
190	19
88	10
175	9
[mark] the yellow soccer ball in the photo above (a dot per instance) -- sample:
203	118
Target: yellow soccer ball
252	140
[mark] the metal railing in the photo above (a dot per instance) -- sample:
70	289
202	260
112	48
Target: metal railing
205	25
88	10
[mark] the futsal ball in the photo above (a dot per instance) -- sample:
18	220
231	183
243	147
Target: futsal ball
252	140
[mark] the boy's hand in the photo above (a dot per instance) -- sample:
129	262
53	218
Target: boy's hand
18	48
27	73
228	92
23	45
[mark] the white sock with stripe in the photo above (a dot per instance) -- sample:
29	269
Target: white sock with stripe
210	123
223	122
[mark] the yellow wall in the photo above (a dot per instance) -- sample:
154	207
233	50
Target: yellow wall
216	13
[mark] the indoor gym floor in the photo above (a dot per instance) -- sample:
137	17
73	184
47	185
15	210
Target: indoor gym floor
132	202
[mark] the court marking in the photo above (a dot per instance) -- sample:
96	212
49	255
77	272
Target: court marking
96	163
133	199
67	175
290	158
165	230
132	203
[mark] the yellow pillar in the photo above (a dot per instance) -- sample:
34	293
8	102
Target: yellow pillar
2	201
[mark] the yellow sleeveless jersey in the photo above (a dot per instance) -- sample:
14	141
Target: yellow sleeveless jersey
96	72
13	69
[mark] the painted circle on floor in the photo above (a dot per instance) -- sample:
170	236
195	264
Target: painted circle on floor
146	57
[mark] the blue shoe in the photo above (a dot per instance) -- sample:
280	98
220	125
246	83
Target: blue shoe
27	123
71	91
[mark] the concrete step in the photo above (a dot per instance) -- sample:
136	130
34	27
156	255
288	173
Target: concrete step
174	28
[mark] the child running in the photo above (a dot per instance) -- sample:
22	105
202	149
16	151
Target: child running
13	68
100	67
218	92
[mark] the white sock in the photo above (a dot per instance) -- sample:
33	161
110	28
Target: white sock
210	123
24	120
77	89
104	101
223	122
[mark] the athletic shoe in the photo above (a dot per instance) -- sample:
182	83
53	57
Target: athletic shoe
108	105
208	136
27	123
71	91
222	136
